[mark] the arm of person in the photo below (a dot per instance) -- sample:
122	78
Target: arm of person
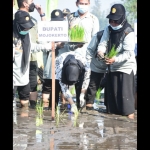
36	47
127	52
40	11
58	71
86	79
102	46
92	49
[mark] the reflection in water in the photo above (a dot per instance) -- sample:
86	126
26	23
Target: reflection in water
39	136
52	141
100	127
14	112
39	122
84	142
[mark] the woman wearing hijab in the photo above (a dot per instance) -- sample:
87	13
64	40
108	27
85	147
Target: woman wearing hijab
120	87
22	47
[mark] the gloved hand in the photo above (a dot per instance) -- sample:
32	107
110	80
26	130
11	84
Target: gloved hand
82	100
74	108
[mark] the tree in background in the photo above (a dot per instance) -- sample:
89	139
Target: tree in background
96	10
131	10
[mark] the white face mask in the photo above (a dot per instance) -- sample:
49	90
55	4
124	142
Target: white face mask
119	26
83	8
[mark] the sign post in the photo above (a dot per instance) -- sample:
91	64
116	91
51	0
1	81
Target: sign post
53	31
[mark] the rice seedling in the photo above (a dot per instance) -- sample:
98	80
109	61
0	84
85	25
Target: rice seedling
113	52
39	121
98	94
75	118
58	116
39	108
76	34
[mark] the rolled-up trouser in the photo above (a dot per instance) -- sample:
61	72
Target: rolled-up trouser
23	91
47	89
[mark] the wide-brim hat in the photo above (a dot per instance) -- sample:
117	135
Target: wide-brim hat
57	15
23	18
116	12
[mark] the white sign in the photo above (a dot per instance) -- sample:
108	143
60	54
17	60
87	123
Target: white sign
135	31
53	31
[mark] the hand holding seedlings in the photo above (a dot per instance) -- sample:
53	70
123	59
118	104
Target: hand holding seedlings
109	60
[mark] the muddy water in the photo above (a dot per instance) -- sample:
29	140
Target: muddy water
91	131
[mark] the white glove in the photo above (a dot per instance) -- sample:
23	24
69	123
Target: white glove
74	108
82	100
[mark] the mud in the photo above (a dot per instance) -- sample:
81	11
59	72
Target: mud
91	131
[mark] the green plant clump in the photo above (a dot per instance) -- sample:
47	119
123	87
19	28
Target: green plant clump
98	93
112	52
76	34
39	108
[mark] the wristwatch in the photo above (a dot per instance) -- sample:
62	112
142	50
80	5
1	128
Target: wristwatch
42	15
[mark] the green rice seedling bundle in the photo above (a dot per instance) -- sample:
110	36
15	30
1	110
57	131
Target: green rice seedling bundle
39	108
112	52
39	121
98	94
76	34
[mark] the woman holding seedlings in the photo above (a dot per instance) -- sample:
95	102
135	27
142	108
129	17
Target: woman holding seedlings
118	44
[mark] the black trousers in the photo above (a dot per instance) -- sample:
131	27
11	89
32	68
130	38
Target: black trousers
47	89
95	79
23	91
33	72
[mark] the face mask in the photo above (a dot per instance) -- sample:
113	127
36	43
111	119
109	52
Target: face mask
24	32
83	8
31	7
117	27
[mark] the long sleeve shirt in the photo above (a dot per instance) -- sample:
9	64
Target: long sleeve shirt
20	79
58	72
125	59
95	64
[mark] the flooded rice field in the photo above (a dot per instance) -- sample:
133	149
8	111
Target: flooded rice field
91	130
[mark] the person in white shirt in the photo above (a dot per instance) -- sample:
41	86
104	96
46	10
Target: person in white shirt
82	17
22	48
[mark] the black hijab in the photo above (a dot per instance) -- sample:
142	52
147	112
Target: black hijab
25	45
115	35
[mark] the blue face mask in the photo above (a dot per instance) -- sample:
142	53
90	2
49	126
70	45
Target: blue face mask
117	27
24	32
83	8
